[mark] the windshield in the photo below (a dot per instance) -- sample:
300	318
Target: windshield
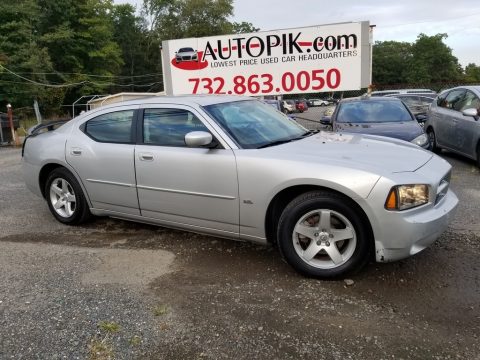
372	111
254	124
185	50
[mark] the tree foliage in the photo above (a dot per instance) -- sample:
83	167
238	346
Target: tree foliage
427	60
391	61
86	47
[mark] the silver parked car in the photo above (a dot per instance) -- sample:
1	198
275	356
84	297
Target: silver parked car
235	167
453	122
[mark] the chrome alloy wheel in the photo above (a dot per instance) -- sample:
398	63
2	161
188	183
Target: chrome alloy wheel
324	239
62	197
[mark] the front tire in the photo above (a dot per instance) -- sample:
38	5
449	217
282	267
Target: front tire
433	141
322	235
65	198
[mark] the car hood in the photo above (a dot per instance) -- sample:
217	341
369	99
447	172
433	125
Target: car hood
377	154
407	130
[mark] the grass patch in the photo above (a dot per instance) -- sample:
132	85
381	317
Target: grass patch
135	340
100	349
160	310
109	327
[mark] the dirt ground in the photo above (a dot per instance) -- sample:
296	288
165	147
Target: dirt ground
114	289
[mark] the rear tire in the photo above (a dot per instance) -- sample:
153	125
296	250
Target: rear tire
65	198
478	154
322	235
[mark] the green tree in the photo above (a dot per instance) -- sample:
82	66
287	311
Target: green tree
472	73
25	61
130	34
433	61
79	35
176	19
243	27
391	61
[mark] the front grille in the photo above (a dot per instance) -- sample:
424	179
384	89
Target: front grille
442	188
186	58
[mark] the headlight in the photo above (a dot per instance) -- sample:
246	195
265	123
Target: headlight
404	197
421	140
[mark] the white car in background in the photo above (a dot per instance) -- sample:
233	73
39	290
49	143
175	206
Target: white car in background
317	102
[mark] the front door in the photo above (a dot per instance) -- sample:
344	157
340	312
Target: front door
186	187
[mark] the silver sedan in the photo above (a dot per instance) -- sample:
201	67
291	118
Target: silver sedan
453	122
236	168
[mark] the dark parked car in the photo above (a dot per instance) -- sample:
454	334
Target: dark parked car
453	122
383	116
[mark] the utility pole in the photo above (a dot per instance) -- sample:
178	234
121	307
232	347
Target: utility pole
10	121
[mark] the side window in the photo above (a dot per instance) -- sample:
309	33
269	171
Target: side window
114	127
441	102
454	99
168	127
410	100
469	101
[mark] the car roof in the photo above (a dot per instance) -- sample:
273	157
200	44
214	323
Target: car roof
429	95
475	88
202	100
403	91
369	98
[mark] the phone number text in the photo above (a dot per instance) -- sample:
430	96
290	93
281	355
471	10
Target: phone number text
314	80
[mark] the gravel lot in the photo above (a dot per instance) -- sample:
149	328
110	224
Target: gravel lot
113	289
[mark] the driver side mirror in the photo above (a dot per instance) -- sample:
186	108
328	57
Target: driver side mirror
326	120
200	139
471	112
421	118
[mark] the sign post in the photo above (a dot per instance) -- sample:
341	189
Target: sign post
10	122
324	58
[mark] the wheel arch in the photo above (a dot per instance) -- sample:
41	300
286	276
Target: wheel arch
285	196
48	168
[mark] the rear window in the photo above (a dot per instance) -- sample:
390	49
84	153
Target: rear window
114	127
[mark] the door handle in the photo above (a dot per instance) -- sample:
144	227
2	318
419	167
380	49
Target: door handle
146	157
76	151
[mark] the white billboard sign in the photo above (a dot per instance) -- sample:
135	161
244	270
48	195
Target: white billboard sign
322	58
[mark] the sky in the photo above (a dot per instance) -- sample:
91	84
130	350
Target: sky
400	20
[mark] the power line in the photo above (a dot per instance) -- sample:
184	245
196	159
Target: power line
74	84
93	75
42	84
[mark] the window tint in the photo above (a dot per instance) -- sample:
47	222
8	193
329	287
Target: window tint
469	101
115	127
453	99
168	127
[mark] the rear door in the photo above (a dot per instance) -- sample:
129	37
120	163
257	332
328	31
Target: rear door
186	187
101	150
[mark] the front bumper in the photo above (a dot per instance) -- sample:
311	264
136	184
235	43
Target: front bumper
399	234
414	232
